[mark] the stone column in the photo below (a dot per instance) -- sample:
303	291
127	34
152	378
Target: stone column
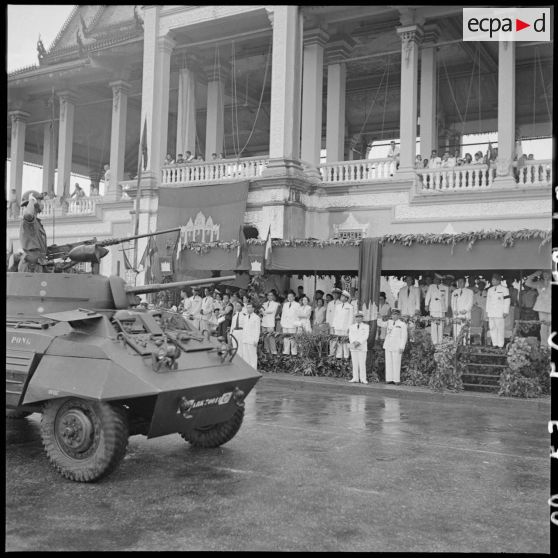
506	113
312	87
186	115
286	82
215	121
155	92
337	50
17	157
65	142
428	91
120	90
49	156
410	39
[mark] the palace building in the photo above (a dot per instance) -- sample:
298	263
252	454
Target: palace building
288	113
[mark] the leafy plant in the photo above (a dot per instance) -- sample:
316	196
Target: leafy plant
446	374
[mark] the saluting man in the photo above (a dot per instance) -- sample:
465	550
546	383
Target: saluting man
342	320
461	305
32	235
251	336
192	308
497	308
435	303
394	345
289	319
408	298
358	340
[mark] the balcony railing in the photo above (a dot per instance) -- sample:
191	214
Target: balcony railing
455	178
79	206
249	167
534	172
364	170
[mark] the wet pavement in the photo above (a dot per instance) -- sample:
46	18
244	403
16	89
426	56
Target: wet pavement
317	465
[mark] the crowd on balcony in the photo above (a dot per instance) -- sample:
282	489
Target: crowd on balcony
188	157
439	303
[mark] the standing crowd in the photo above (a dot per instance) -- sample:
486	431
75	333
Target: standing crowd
245	318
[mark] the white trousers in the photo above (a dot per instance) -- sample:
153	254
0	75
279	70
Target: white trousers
289	344
342	348
237	334
250	354
393	366
545	329
497	330
359	365
437	330
457	330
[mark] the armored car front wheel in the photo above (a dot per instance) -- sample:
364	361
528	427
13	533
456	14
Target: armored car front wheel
215	435
84	440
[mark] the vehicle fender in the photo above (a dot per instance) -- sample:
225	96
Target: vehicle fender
88	378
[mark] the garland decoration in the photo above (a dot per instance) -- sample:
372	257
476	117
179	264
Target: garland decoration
507	238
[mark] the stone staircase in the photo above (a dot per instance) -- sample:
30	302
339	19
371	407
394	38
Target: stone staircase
481	368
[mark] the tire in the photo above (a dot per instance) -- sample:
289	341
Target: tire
215	435
13	414
84	440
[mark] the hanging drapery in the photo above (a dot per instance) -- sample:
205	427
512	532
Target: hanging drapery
369	273
186	120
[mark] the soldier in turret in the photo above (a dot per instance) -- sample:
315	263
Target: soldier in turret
32	235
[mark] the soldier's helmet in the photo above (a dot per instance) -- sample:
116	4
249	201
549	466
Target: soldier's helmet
25	198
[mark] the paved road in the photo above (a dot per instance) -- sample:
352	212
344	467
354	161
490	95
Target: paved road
316	466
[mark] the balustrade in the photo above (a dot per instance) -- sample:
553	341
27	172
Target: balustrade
534	172
78	206
364	170
213	171
466	177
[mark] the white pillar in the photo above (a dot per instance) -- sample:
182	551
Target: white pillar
186	116
286	80
155	90
65	142
337	51
215	121
428	92
312	87
17	157
49	156
506	111
410	39
120	90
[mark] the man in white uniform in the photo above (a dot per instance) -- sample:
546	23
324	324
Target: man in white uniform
394	345
289	319
251	336
237	327
192	308
206	309
268	312
435	305
342	320
497	308
408	298
358	340
330	315
461	305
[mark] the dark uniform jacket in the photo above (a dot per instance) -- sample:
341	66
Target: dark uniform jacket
33	241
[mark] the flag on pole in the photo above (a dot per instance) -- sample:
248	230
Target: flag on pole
144	144
241	246
267	249
127	263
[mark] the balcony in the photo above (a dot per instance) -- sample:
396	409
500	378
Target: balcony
75	207
357	172
480	177
214	171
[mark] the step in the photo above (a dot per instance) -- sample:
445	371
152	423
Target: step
480	386
481	375
485	364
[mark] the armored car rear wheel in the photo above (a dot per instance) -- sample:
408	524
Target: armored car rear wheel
84	440
215	435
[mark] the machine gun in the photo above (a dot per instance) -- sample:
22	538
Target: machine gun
91	251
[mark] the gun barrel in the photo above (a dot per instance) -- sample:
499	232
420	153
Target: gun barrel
111	241
142	289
